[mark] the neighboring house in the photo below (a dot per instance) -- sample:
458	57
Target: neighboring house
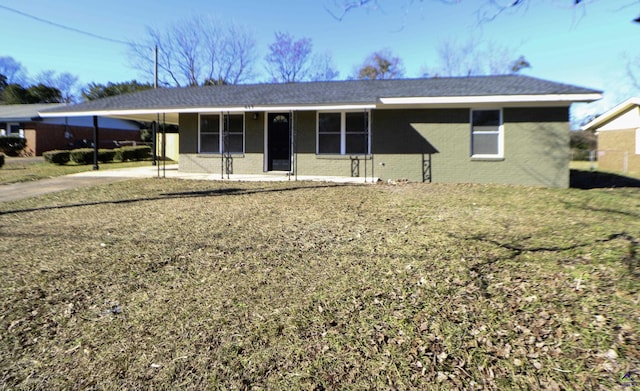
45	134
493	129
618	132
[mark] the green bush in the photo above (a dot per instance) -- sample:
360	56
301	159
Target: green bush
146	135
57	157
144	152
106	155
12	145
82	155
582	143
1	160
134	153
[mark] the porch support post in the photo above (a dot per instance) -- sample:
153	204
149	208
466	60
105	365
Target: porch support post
163	149
154	141
292	143
95	143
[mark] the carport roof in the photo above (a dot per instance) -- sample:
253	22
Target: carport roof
23	113
331	94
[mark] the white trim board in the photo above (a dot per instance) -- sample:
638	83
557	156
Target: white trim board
416	100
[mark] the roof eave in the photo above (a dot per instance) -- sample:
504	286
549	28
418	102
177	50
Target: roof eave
388	102
609	115
208	109
493	99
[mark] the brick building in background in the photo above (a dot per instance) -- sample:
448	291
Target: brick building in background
46	134
618	132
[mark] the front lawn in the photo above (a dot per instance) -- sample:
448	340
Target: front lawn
169	284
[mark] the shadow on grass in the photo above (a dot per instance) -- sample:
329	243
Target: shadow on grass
630	259
580	179
176	195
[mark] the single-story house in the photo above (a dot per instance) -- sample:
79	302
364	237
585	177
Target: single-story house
46	134
618	132
493	129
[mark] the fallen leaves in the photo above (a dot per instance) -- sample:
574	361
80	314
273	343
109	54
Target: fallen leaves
307	286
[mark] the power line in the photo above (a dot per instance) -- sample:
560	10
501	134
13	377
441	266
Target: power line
73	29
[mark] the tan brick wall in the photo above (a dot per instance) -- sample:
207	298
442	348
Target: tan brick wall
31	136
251	163
616	151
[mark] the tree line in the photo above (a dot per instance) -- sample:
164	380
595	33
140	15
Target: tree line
205	51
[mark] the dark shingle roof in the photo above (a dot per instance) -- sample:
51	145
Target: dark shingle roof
23	113
325	93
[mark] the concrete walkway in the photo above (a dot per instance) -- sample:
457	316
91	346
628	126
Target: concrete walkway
18	191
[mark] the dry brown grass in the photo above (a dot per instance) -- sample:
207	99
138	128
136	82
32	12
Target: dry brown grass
32	169
165	284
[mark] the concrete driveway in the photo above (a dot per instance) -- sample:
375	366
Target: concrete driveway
18	191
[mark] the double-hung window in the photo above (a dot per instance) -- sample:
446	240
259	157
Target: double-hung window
343	133
487	134
221	133
233	136
11	129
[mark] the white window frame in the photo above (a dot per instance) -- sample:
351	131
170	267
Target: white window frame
488	130
343	132
19	133
222	123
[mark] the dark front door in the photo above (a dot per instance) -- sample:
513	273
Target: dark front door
279	142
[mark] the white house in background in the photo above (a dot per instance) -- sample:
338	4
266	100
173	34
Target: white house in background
618	132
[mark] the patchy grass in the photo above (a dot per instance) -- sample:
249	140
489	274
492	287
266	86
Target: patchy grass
169	284
24	170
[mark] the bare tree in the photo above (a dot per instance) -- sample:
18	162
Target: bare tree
382	64
633	71
65	82
472	58
323	68
198	50
487	10
13	70
289	60
457	60
234	62
185	43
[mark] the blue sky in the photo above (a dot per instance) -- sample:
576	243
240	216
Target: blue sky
589	46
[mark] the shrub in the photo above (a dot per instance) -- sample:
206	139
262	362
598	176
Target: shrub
12	145
82	155
144	152
57	157
582	143
106	155
134	153
1	160
146	135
